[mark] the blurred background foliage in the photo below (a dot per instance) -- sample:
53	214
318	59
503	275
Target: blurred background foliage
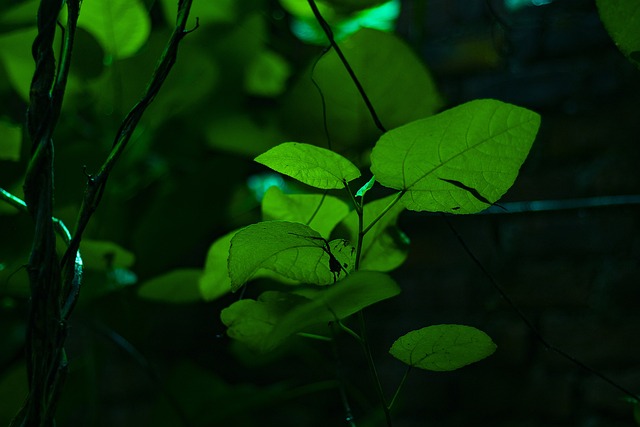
244	82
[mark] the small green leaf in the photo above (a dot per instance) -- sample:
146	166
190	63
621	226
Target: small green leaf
121	26
621	18
177	286
459	160
320	212
291	249
314	166
368	186
264	324
385	247
10	141
442	347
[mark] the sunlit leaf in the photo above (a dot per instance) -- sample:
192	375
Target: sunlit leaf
621	18
320	212
314	166
266	323
10	141
177	286
291	249
399	86
458	161
442	347
385	247
121	26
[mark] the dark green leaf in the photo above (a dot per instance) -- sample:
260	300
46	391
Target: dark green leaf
442	347
177	286
621	18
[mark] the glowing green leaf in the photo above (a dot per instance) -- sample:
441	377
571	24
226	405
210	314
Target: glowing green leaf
215	281
322	213
314	166
621	18
290	249
177	286
368	186
121	26
458	161
385	247
266	323
10	141
442	347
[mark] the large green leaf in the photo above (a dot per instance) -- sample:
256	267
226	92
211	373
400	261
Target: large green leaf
399	86
384	247
314	166
320	212
121	26
621	18
291	249
459	161
442	347
266	323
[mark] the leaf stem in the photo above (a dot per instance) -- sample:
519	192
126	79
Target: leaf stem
384	212
395	395
329	33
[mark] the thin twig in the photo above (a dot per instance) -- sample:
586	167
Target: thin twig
329	33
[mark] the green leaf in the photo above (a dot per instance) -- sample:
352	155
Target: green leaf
251	321
207	12
320	212
15	53
314	166
10	141
442	347
215	281
621	18
396	81
177	286
359	290
292	250
266	323
459	161
368	186
385	247
121	26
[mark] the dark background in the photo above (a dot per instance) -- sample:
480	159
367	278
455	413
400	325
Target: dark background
572	269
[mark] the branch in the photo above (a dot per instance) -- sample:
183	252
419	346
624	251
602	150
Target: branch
329	33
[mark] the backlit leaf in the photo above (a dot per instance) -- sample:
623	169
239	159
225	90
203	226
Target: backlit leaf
458	160
266	323
621	18
442	347
314	166
291	249
177	286
121	26
322	213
